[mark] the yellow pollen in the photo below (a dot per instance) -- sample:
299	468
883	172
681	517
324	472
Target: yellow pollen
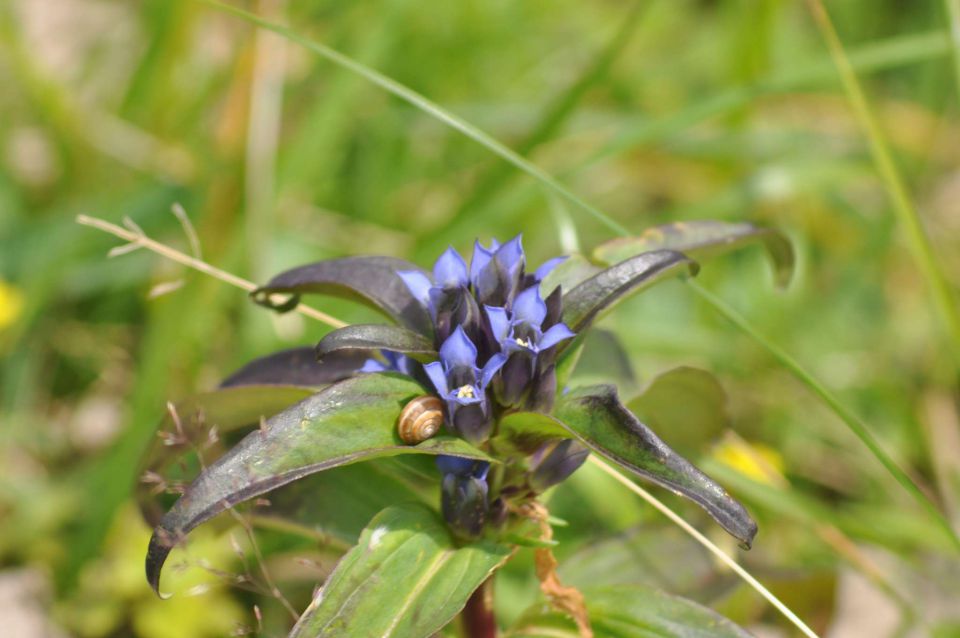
525	344
465	392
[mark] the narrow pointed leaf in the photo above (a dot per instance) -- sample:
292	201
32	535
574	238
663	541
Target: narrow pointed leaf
688	406
338	503
587	301
221	411
370	280
595	416
350	421
297	366
406	578
702	239
367	337
630	611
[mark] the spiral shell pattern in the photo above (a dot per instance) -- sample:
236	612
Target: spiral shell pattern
420	419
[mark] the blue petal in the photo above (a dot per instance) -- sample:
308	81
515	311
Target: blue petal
419	285
511	254
555	335
458	350
450	270
400	362
499	322
529	308
546	267
481	257
491	368
435	371
372	365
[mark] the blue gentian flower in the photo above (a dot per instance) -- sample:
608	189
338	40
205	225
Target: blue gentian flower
521	336
497	273
509	350
463	385
447	297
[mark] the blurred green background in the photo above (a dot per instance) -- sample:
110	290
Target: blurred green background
654	111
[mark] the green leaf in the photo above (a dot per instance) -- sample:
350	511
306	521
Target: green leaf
688	405
297	366
369	280
224	410
595	416
653	554
339	502
704	238
350	421
587	301
405	578
366	337
630	611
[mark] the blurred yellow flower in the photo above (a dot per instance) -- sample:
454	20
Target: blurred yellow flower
11	304
754	460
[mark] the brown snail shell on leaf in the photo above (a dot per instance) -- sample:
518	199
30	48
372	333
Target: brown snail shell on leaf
420	419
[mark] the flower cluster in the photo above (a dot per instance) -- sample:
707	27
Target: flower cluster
496	338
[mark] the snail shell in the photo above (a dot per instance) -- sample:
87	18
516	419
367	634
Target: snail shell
420	419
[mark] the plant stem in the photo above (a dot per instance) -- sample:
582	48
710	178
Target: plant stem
138	239
858	427
953	28
478	619
903	206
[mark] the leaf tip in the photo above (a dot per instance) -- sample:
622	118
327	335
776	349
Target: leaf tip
159	548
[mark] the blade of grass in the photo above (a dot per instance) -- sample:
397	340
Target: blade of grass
427	106
953	15
873	57
725	558
903	206
196	264
557	112
857	426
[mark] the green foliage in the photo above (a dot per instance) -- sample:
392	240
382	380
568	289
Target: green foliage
405	577
352	421
631	611
653	114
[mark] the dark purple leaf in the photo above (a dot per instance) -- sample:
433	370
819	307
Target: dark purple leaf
370	280
367	337
596	416
589	299
703	239
298	366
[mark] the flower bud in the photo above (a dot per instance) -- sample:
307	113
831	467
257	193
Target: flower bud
554	462
464	504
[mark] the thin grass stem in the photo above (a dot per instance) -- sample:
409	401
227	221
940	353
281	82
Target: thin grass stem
953	16
852	421
903	206
427	106
725	558
139	239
